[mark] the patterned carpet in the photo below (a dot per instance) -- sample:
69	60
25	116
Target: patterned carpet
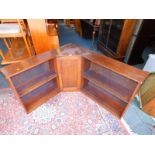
68	113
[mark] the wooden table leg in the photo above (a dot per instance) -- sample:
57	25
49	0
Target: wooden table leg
1	54
93	36
9	49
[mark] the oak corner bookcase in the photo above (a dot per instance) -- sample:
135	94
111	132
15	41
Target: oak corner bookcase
110	83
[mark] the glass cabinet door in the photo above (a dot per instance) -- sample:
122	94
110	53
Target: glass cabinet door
104	29
116	26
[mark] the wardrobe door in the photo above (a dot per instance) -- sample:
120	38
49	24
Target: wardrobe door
69	72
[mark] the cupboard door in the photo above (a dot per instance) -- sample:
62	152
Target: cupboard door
115	33
69	72
104	30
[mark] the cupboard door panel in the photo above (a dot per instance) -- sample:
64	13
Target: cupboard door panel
69	70
115	33
104	30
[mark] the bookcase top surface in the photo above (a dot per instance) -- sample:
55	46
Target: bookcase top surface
26	64
66	50
121	68
76	50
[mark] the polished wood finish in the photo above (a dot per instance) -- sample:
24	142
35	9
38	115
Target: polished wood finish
16	52
124	39
14	69
143	37
14	43
125	36
111	83
34	101
77	25
52	27
104	99
68	22
34	80
69	69
42	37
73	68
117	67
37	85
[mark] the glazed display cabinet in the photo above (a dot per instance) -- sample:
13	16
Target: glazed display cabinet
114	36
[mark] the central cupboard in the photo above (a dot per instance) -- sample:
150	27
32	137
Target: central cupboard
69	72
110	83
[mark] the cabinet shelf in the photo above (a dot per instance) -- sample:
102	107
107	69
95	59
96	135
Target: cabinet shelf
40	95
107	84
39	101
104	99
35	86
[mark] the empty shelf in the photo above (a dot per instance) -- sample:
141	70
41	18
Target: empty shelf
108	84
35	86
44	98
40	95
104	99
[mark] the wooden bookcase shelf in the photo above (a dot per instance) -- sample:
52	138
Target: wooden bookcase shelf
37	85
34	83
105	99
40	95
110	83
100	81
33	78
110	89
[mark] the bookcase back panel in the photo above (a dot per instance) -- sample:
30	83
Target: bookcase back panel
102	91
111	77
38	93
32	76
115	83
105	99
